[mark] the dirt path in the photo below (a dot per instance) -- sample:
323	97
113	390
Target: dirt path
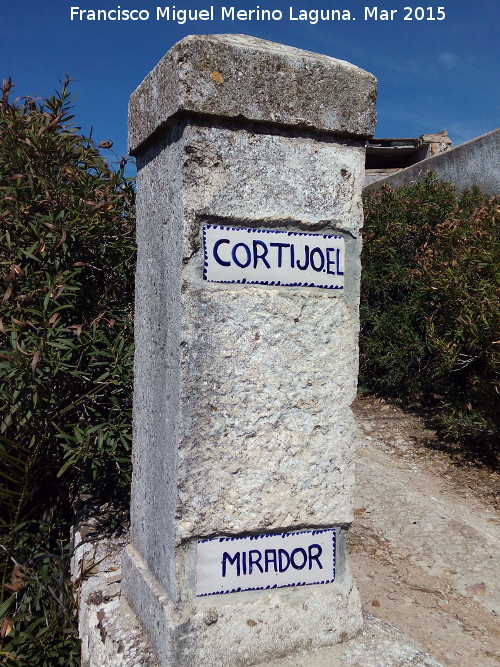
425	542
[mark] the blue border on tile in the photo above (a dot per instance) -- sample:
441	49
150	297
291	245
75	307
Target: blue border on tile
253	230
263	536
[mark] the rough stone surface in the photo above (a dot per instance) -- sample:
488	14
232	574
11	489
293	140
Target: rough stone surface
109	630
237	372
472	163
237	76
248	388
112	636
379	645
242	419
277	374
242	628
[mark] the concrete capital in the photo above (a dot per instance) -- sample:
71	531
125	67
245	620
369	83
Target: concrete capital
242	77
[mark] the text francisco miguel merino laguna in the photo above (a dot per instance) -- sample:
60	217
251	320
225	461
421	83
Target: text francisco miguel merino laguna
211	13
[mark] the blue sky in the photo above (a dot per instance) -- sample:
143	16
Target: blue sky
433	75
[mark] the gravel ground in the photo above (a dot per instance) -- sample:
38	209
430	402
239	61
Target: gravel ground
425	541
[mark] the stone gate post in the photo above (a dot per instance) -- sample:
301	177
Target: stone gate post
250	162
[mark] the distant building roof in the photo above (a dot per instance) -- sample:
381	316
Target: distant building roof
385	156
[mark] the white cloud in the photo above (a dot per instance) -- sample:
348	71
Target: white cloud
447	60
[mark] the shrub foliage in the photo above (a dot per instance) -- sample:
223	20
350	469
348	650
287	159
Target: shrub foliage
429	305
67	256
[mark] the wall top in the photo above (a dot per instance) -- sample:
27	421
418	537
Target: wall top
237	76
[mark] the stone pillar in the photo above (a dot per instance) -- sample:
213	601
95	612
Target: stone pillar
250	162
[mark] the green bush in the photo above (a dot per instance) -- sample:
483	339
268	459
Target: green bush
429	304
67	256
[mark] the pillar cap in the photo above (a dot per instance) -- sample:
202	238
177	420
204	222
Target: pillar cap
242	77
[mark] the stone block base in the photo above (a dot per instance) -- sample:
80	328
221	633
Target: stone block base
240	629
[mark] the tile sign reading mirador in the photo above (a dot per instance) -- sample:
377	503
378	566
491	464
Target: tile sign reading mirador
272	257
257	562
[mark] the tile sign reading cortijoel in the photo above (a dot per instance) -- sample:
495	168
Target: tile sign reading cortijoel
257	562
272	257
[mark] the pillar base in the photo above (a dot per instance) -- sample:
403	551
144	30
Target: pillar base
240	629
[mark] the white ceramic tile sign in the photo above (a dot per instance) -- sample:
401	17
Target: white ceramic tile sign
272	257
256	562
